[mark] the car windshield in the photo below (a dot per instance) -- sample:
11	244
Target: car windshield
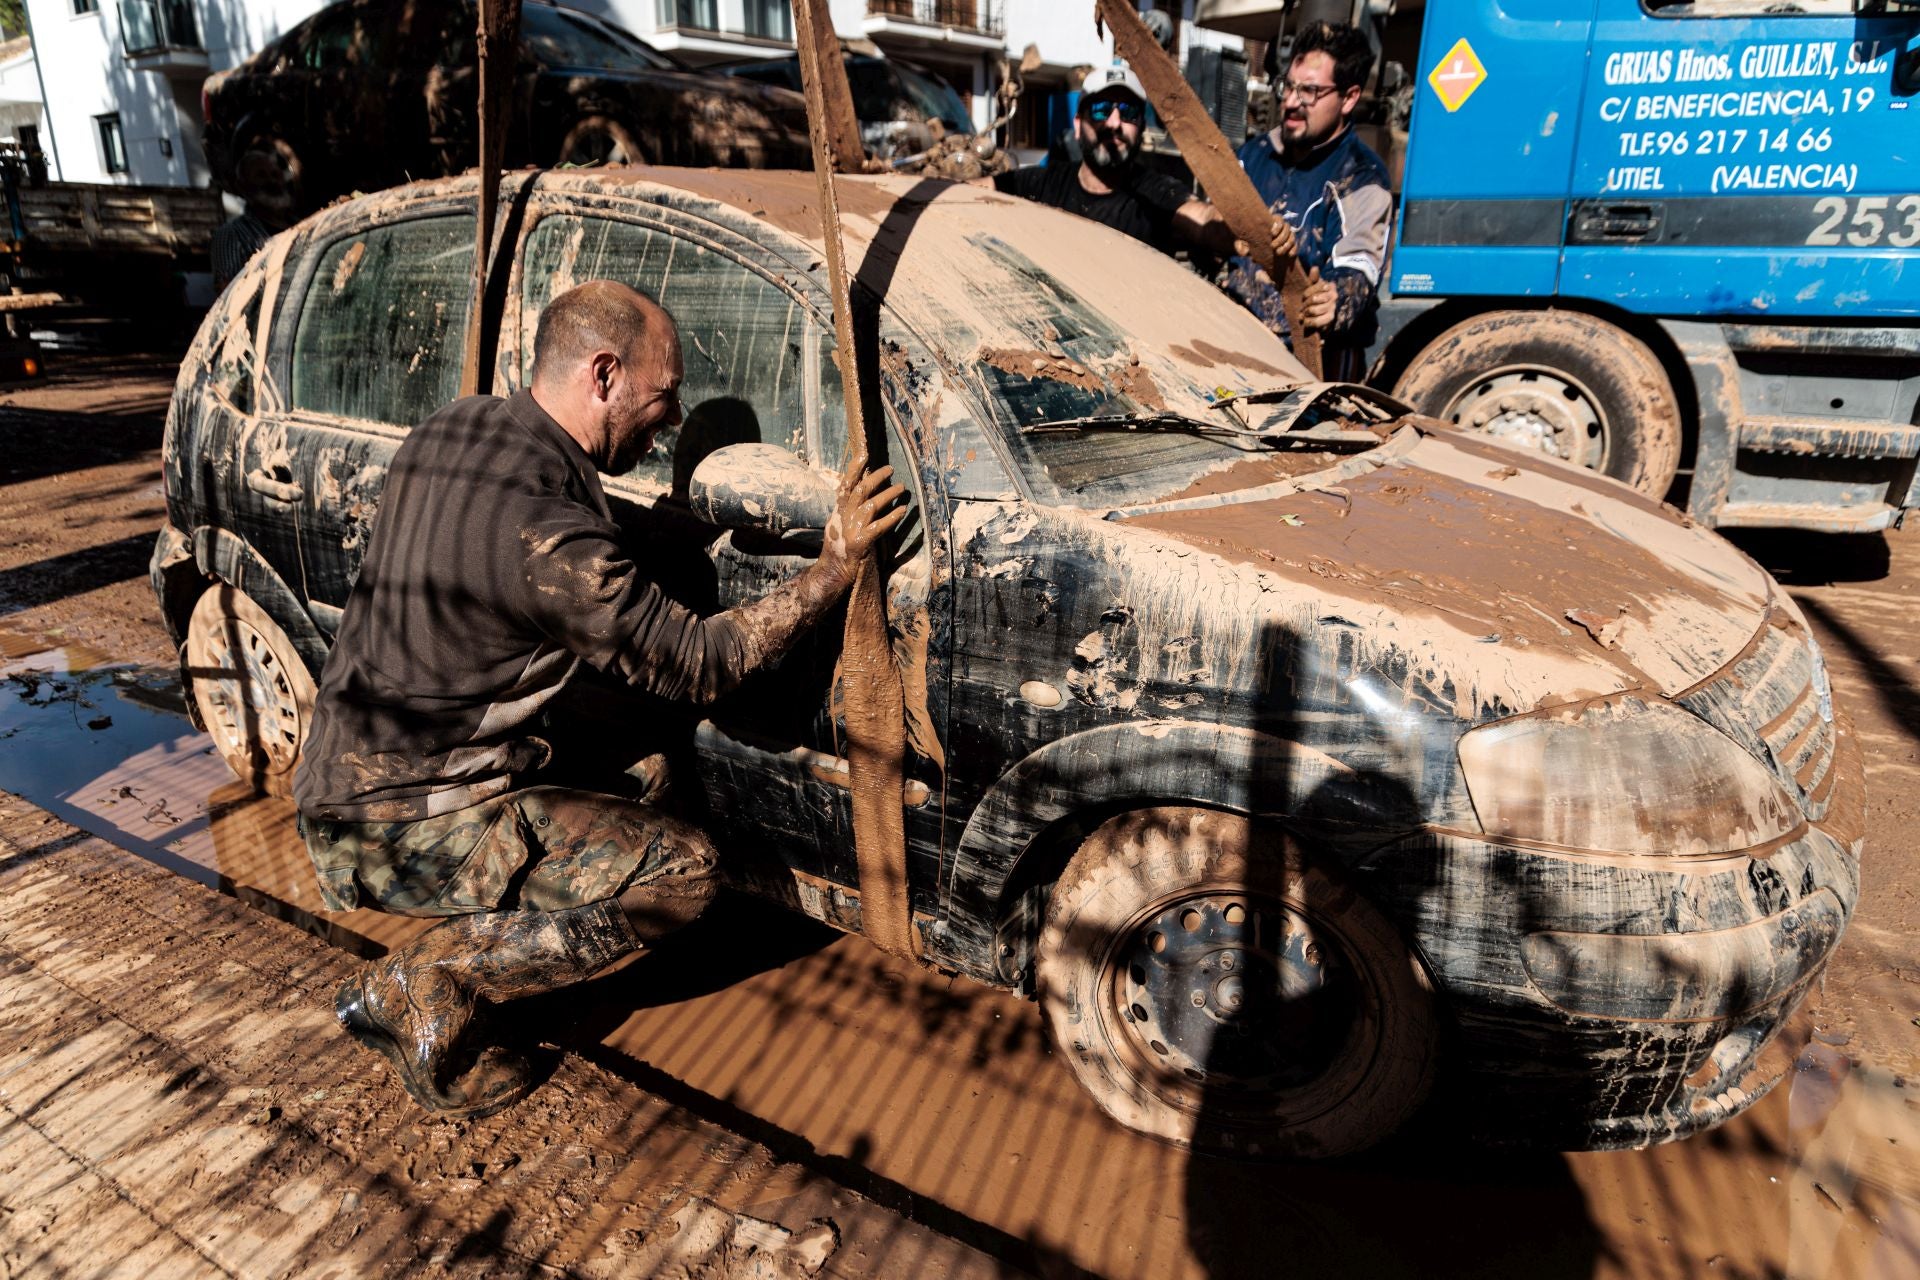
561	39
1056	320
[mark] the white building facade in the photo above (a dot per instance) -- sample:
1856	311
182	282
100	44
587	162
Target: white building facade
120	79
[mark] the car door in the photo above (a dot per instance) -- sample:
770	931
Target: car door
758	369
370	342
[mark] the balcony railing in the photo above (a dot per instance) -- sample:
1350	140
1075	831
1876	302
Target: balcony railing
152	26
984	16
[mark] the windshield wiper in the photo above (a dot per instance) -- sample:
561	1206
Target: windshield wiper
1342	412
1133	422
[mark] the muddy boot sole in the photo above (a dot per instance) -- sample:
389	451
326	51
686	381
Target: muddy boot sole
512	1083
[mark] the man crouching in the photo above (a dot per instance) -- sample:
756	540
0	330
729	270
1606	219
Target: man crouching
494	571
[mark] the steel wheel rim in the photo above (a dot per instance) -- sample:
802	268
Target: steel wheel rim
251	689
1539	408
1301	1015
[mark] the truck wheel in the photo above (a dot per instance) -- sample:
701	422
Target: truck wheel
1569	385
597	140
254	693
1212	988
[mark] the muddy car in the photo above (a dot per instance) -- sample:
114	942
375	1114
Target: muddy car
368	93
1299	753
903	109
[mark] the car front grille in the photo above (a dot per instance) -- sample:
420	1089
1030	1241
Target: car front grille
1775	700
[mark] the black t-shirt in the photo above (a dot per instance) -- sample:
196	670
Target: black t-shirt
1143	208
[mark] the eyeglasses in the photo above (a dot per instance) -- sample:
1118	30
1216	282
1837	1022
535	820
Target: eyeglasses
1310	93
1129	112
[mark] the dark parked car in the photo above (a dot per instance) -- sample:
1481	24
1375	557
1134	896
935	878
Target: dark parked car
1297	751
369	93
902	108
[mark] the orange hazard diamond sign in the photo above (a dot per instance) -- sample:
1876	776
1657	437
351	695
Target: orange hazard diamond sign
1457	75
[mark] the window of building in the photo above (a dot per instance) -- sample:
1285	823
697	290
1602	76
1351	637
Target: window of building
384	322
702	14
113	144
82	7
772	19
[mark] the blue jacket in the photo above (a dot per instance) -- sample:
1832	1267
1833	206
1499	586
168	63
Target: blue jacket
1339	204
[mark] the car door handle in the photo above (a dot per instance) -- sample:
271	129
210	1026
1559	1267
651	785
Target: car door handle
272	488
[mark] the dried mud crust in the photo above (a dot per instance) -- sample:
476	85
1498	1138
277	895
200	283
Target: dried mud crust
81	502
1642	416
178	1101
1164	869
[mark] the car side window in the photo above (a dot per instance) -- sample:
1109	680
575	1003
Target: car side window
748	345
384	322
336	40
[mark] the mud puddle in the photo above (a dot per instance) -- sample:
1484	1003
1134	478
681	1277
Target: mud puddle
941	1096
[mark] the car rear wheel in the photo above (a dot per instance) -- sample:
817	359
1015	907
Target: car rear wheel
253	691
597	140
1569	385
1211	987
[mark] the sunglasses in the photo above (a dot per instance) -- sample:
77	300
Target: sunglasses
1129	112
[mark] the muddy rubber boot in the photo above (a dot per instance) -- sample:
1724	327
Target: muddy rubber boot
417	1006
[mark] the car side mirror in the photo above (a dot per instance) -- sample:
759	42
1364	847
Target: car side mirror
761	486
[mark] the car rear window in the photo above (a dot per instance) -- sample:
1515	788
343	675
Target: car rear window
384	321
752	351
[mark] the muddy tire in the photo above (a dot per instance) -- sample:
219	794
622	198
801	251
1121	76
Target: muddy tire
1565	384
270	175
598	140
253	692
1209	986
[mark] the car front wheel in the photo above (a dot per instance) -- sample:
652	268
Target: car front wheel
1211	987
598	140
254	693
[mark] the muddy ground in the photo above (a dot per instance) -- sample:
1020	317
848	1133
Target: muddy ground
939	1098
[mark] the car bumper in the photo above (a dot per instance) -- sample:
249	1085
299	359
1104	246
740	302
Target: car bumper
1606	1006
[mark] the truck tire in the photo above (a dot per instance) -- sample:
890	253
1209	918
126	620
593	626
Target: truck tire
270	175
1211	987
1566	384
253	692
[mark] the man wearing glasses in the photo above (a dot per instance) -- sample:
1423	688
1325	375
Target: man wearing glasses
434	783
1332	189
1109	186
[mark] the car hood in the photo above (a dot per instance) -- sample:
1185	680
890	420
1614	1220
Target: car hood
1537	582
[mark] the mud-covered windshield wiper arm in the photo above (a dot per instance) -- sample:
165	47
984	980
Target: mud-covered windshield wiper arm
1136	422
1343	412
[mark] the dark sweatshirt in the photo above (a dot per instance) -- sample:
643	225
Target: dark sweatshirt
494	570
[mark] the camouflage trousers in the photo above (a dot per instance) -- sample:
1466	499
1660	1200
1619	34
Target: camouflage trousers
545	848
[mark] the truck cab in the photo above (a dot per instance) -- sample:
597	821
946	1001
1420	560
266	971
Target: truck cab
1650	236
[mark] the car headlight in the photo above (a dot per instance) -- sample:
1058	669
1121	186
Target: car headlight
1623	776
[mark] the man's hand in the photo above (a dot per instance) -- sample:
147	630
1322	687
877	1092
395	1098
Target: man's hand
861	519
1283	243
1283	239
1322	300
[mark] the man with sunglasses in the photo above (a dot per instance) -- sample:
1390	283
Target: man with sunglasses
1333	190
1110	186
441	777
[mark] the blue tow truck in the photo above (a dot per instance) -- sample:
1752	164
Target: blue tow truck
1647	234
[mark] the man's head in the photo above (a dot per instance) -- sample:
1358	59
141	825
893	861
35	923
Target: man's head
1329	68
1113	111
607	367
